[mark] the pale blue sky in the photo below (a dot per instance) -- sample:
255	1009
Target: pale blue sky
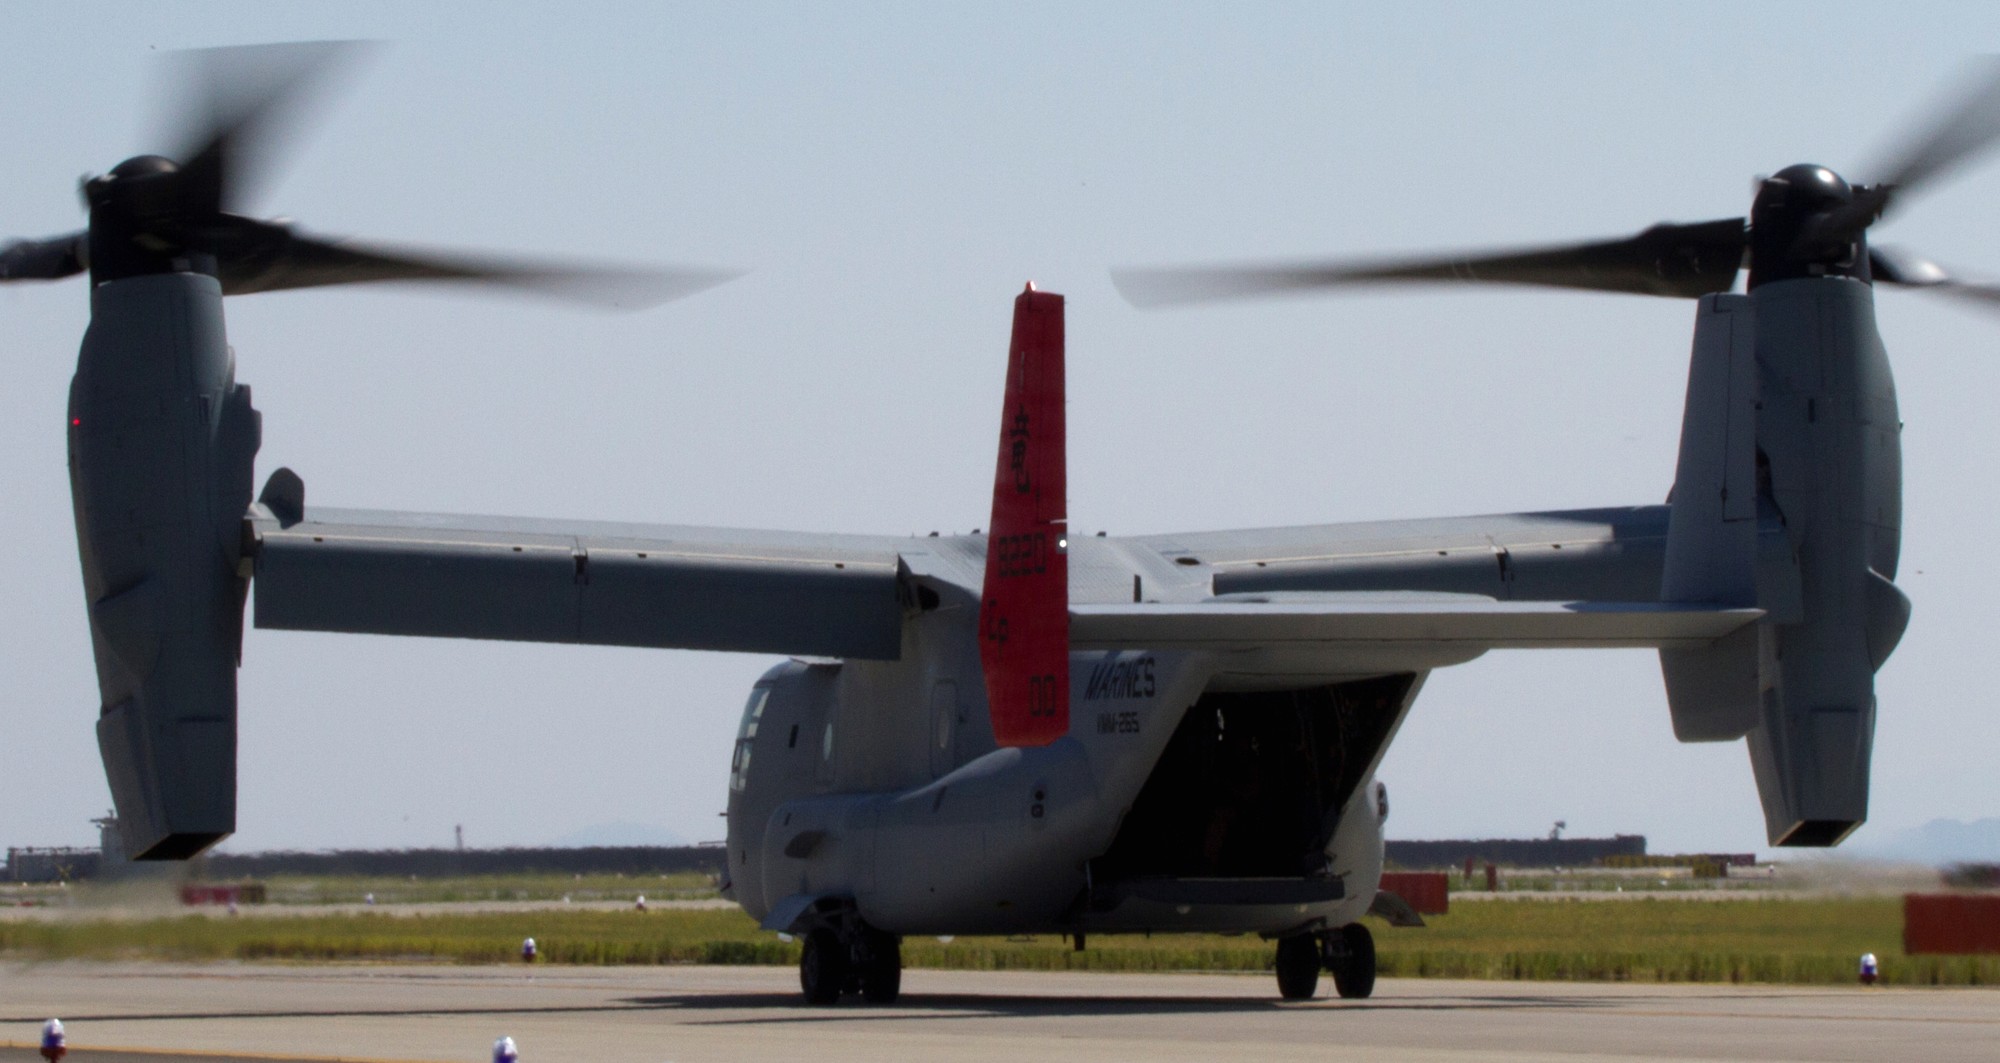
892	174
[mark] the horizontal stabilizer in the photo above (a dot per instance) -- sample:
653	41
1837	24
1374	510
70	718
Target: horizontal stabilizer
1234	622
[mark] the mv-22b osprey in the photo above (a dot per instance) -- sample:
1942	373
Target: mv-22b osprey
1028	731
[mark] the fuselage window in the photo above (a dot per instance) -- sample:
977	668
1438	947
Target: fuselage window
739	764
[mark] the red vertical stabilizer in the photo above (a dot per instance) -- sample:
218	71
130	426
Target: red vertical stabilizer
1024	609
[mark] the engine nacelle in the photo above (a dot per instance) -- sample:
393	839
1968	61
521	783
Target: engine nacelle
1828	427
1792	437
161	446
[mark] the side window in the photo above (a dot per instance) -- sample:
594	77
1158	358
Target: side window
746	737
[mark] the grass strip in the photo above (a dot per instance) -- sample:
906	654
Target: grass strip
1784	941
526	886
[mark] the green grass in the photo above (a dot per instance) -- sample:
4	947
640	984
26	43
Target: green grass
389	889
308	890
582	937
1816	941
1651	940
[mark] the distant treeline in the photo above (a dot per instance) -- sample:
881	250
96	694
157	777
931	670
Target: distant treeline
662	860
1514	852
435	863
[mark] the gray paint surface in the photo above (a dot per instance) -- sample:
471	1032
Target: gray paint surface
1811	746
860	836
604	584
1285	413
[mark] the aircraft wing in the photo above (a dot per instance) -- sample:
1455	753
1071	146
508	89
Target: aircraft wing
578	582
1370	598
1604	555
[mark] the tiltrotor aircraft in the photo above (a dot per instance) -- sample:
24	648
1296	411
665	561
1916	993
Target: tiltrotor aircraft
1026	731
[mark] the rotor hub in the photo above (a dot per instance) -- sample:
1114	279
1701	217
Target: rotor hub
139	221
1793	229
1803	188
183	214
141	186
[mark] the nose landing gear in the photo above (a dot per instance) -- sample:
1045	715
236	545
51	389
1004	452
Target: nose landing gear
1349	953
879	966
851	958
1298	966
823	968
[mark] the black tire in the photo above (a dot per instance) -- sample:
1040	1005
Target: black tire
1354	962
1298	967
881	967
823	967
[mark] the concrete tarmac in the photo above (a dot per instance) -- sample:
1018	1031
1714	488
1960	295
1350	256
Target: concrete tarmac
165	1013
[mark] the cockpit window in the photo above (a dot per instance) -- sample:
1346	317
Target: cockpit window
746	735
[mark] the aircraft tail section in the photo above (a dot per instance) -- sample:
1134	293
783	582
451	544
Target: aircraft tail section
1024	603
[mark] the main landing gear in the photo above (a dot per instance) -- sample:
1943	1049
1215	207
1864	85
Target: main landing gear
856	958
1349	953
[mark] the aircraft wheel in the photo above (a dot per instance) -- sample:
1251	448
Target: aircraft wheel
1352	960
1298	967
823	967
881	967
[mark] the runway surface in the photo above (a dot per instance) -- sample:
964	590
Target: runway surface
156	1013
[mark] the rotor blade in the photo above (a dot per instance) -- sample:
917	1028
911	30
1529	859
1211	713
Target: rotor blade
1674	260
1959	133
254	256
1906	270
45	260
239	105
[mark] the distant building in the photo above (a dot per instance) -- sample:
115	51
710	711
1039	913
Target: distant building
112	862
70	863
63	864
1513	852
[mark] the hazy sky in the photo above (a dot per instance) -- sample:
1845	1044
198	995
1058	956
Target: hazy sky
892	174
